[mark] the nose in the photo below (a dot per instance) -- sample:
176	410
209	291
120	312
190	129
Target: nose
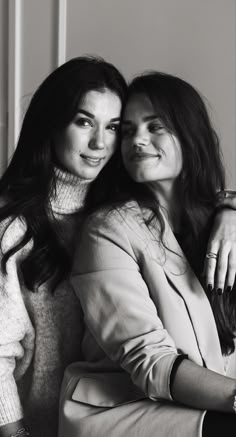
97	141
141	138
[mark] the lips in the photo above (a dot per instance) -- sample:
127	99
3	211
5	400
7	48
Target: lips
92	159
144	155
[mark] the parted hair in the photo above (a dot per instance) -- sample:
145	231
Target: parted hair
29	181
183	112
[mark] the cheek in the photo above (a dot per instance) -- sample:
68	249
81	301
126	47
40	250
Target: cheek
179	161
67	150
176	156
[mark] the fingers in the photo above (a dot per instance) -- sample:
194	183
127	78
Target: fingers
230	279
210	266
220	271
222	268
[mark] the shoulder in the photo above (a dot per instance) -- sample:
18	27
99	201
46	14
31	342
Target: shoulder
121	227
108	239
126	212
111	220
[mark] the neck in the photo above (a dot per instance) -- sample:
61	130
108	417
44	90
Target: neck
167	195
70	192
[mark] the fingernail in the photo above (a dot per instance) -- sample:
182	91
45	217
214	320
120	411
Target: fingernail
219	291
209	288
228	289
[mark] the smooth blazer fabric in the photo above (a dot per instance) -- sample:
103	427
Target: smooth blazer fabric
143	306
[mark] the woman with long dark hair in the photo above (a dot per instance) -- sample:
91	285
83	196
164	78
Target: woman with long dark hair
68	140
159	343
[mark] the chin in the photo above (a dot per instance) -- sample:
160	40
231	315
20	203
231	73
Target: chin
140	178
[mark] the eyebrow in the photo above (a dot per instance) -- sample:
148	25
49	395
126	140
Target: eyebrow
148	118
89	114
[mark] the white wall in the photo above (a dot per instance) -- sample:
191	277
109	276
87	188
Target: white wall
39	45
194	39
3	81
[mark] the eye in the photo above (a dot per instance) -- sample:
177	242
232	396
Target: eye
156	128
114	127
83	122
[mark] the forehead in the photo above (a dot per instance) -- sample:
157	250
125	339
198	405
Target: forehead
103	102
138	106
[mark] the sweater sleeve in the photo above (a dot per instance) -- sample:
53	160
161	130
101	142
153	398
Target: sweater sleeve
118	309
16	331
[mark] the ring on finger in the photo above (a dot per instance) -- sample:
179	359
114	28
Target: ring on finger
210	255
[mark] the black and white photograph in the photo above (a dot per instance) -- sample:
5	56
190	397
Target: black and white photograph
117	218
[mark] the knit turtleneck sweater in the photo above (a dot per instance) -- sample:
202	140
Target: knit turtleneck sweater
70	193
40	333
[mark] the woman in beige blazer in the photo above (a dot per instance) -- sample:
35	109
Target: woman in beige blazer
159	343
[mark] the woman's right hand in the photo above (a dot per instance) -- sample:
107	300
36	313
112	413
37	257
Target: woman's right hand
220	262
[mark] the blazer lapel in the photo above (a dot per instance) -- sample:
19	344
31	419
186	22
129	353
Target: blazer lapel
187	285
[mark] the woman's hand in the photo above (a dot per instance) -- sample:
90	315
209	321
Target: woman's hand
220	263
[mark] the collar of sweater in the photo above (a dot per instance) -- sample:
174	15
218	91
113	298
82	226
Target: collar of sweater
70	192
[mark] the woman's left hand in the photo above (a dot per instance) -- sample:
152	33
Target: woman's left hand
220	262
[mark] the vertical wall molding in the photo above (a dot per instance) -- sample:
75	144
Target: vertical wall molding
61	33
14	73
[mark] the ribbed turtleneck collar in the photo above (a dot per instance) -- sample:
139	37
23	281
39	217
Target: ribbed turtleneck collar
70	192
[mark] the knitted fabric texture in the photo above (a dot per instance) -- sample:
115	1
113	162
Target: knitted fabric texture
40	333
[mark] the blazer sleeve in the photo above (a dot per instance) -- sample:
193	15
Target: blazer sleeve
16	331
117	307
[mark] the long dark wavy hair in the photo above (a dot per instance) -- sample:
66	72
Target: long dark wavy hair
183	112
29	180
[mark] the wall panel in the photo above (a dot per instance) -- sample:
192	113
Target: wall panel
3	82
194	39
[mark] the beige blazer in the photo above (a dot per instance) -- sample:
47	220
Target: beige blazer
142	305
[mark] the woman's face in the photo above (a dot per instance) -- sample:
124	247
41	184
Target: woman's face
150	153
84	147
